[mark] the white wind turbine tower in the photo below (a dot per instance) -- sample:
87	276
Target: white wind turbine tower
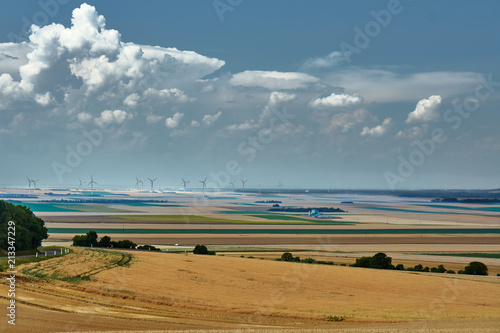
91	183
279	186
80	187
34	183
232	184
29	184
185	182
152	183
243	182
138	181
204	183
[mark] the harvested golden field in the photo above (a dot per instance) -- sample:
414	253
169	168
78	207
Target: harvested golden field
175	291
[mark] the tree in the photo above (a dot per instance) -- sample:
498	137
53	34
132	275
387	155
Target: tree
148	247
30	230
379	260
400	267
80	240
200	249
105	241
476	268
125	244
92	238
287	256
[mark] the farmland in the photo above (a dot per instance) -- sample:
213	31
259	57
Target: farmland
243	286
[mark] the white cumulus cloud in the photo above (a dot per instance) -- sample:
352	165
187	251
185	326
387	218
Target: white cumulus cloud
209	119
379	130
173	122
112	117
426	110
336	100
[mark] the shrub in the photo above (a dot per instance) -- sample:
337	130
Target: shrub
400	267
450	271
476	268
309	260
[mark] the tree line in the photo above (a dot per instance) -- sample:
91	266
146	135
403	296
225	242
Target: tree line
29	229
90	239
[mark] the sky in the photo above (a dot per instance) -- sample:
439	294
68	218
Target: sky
324	94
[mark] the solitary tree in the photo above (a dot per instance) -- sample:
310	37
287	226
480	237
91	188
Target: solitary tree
476	268
200	249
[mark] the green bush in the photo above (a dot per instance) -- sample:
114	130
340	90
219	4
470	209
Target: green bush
309	260
400	267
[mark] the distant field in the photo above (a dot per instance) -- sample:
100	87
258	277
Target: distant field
487	209
70	207
276	219
283	231
473	255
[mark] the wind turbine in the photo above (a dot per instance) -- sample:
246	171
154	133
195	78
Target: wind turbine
34	183
138	181
218	186
204	182
243	182
152	182
185	182
29	184
259	188
279	186
91	183
232	185
81	184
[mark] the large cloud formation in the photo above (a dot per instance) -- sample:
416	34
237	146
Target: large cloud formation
73	68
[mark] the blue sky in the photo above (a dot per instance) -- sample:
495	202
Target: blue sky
216	102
